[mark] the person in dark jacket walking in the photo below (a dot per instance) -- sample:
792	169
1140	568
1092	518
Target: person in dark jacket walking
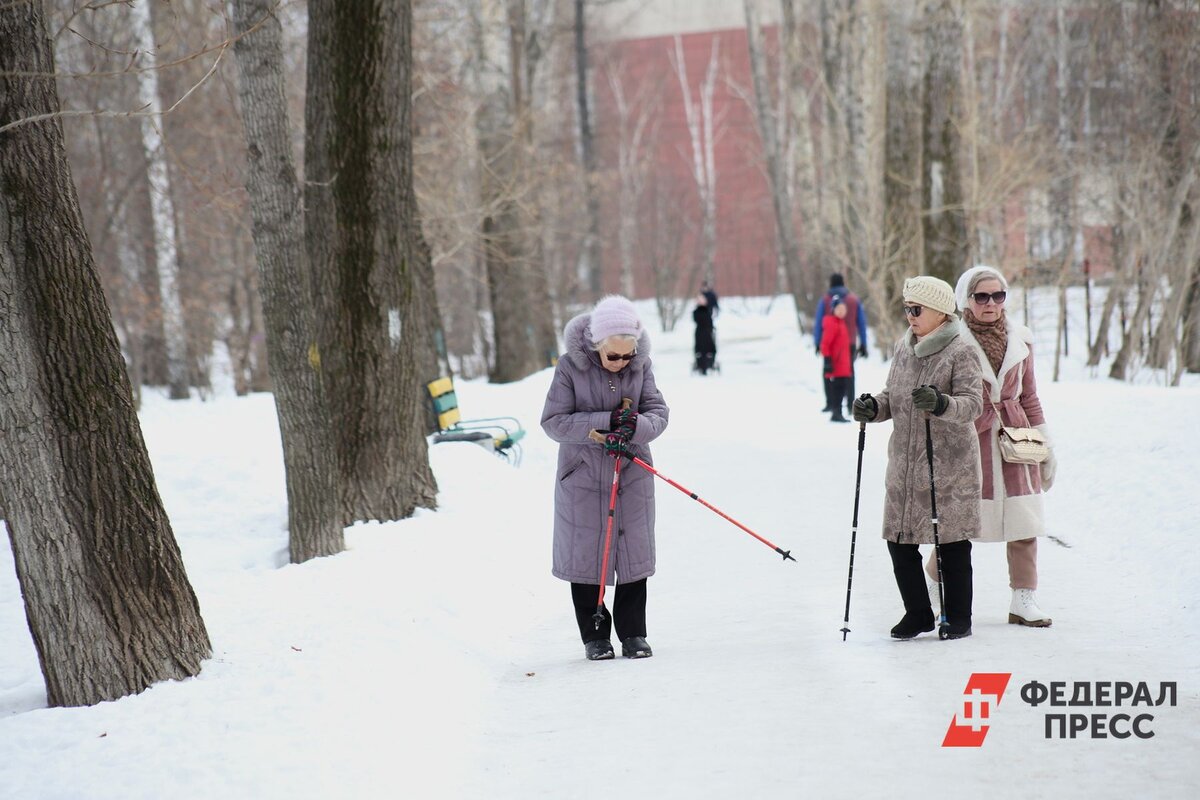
934	376
856	324
710	298
705	346
607	360
835	347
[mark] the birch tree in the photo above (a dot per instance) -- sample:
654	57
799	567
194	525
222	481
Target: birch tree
703	130
106	596
166	247
636	124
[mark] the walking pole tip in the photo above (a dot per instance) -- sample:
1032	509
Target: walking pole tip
787	554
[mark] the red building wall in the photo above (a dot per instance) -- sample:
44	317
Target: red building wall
745	245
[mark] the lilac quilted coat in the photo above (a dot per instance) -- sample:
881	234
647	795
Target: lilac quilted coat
582	397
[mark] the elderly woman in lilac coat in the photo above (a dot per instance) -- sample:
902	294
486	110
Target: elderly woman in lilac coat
607	359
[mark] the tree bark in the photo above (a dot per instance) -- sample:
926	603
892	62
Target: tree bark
944	226
904	250
372	272
309	446
106	595
590	272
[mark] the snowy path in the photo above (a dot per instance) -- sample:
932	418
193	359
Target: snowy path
438	658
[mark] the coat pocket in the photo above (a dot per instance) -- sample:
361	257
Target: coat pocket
571	470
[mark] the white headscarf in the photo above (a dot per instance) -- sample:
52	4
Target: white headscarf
963	287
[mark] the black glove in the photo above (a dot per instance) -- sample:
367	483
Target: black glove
615	445
862	350
623	421
818	349
864	408
928	398
828	365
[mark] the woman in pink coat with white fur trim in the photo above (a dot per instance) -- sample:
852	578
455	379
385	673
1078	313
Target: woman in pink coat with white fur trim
1011	506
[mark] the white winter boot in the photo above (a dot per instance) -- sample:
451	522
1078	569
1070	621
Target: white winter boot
1024	610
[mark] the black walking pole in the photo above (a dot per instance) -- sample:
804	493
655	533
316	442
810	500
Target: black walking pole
862	438
937	545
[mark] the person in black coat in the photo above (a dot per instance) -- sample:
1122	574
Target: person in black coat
706	343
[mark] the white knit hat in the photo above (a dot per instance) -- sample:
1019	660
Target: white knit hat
974	275
930	292
612	316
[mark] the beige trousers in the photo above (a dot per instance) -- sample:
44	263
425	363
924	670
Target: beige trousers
1022	564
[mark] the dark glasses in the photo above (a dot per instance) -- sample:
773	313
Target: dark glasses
913	311
982	297
615	357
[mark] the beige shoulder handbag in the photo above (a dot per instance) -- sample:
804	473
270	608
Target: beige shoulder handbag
1023	445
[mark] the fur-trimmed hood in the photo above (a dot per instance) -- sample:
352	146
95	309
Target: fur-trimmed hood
577	338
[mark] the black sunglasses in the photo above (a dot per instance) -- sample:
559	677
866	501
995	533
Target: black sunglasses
982	297
615	357
913	311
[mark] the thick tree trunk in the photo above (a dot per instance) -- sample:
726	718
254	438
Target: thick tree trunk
590	272
107	599
904	250
309	447
371	269
945	233
166	245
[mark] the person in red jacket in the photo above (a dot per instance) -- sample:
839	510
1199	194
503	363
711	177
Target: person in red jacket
835	347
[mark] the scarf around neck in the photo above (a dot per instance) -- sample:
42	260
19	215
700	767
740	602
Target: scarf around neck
992	337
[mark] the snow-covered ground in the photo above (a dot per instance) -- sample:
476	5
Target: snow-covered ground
437	657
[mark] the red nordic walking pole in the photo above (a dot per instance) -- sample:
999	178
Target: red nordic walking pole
598	617
787	554
599	438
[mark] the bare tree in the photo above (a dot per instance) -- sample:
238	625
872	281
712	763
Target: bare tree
785	233
166	245
373	280
945	235
589	271
309	446
106	596
636	124
704	128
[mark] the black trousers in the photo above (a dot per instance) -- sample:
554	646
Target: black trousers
833	396
835	390
628	614
957	580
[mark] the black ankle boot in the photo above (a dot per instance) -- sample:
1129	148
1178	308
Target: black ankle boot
598	650
636	647
913	624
